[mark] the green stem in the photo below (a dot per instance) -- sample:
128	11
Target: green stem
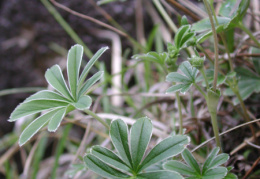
215	129
212	103
212	99
180	112
215	45
246	30
202	71
97	118
236	91
201	91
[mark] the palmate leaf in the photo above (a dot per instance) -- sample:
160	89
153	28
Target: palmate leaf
129	156
63	100
211	168
182	82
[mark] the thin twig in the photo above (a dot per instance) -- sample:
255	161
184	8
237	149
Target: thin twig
234	128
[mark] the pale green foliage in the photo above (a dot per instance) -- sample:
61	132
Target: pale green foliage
211	169
64	99
184	81
129	161
155	57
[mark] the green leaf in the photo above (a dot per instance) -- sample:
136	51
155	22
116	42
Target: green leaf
35	126
184	21
84	102
248	84
91	81
236	14
189	71
227	8
219	160
47	95
56	119
177	77
215	173
140	133
185	80
101	168
155	57
180	87
109	158
205	25
179	35
169	147
160	175
190	160
119	138
179	167
56	80
209	159
230	176
73	66
90	64
34	106
256	60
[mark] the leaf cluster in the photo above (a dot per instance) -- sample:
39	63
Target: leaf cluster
130	160
211	169
64	99
182	81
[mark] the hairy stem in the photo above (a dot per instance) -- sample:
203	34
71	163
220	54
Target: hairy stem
201	91
202	71
180	111
236	91
97	118
215	129
215	44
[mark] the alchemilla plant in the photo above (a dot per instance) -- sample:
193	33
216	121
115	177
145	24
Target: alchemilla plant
131	150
